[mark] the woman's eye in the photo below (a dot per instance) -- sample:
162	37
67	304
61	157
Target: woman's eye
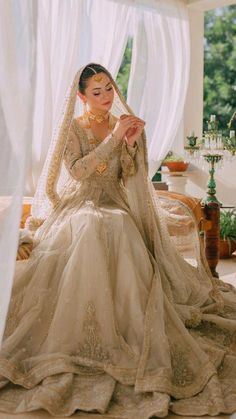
97	94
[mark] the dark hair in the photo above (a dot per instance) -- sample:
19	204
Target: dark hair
88	72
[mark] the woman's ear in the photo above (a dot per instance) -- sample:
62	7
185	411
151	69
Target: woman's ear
81	96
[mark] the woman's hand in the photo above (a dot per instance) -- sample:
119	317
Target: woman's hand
128	125
134	132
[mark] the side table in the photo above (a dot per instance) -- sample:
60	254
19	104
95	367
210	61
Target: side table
176	181
211	212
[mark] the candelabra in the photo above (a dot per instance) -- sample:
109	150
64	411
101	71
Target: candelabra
213	148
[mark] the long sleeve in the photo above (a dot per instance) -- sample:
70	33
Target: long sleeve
80	167
128	160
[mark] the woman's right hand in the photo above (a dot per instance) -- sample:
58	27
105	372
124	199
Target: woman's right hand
123	125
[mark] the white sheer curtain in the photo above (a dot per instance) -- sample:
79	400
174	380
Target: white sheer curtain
159	72
60	49
71	33
17	57
109	32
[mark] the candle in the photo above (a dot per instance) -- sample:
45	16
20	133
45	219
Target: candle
213	118
219	141
206	142
192	134
232	134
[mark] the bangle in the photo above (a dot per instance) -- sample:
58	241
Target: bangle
113	135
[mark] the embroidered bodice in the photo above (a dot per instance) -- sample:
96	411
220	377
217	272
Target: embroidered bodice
101	167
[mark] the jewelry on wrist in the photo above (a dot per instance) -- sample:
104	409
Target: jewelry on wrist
113	135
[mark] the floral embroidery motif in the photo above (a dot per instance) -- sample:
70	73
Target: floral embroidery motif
102	167
92	348
182	374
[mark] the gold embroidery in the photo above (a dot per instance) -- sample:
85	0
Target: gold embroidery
92	348
102	167
182	374
57	156
127	161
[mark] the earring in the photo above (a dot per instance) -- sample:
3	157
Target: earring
85	106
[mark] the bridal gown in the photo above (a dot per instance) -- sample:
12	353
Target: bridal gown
91	326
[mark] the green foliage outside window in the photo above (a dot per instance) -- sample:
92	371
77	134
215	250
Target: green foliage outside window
220	65
124	72
219	69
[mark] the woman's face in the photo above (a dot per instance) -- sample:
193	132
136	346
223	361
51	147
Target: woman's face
99	93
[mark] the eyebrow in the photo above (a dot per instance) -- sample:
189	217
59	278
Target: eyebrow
99	88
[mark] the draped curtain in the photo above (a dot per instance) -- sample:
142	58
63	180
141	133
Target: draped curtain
17	86
60	49
160	72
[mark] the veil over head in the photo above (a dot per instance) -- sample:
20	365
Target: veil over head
54	179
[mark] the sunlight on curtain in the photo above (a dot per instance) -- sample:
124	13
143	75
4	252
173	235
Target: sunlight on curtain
17	57
70	34
109	32
159	72
59	53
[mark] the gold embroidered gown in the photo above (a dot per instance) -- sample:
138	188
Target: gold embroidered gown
96	325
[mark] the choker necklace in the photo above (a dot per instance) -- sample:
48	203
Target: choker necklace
98	118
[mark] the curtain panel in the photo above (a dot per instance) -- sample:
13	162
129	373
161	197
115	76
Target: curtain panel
160	72
17	89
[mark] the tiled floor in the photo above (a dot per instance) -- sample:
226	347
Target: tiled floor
227	271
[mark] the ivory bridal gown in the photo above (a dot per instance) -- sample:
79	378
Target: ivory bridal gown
98	324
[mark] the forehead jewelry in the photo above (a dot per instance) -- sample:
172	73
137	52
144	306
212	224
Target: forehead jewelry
97	77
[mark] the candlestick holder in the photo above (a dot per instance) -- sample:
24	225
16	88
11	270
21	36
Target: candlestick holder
230	143
213	148
212	159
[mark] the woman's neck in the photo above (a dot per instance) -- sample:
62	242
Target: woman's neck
97	117
95	111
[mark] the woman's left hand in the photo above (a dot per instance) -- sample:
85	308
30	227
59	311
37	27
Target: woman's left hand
135	131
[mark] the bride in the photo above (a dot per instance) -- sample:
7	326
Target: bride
106	317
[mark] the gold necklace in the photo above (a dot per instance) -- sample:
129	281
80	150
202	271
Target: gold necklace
98	118
95	140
